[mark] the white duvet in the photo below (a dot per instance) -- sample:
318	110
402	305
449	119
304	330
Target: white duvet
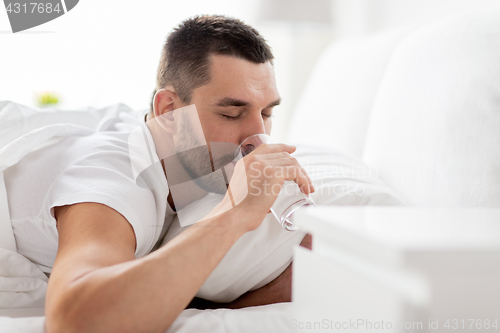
22	284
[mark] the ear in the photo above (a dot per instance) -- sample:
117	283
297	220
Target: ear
165	102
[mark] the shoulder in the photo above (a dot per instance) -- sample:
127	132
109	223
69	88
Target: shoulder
104	174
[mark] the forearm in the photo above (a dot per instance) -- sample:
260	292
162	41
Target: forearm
147	294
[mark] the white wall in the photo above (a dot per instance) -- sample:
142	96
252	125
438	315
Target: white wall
99	53
299	50
355	18
105	52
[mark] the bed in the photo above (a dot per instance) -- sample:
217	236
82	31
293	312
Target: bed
338	178
439	150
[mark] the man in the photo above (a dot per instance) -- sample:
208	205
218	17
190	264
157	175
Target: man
224	68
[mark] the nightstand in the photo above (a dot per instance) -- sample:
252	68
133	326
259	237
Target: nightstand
378	269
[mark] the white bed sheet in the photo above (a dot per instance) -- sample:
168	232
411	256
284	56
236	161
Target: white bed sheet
275	318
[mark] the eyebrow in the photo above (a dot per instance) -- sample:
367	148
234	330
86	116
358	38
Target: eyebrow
275	103
225	102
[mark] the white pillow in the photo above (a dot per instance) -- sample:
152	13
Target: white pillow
342	180
260	256
435	127
334	109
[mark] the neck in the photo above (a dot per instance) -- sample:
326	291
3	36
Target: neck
165	149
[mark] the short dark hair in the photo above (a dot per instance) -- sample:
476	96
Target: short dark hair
184	61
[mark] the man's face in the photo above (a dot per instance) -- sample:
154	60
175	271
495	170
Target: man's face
236	103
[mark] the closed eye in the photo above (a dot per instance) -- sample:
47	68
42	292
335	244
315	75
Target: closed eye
266	116
231	118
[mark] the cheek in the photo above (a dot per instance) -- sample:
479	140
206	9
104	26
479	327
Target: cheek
215	130
208	125
225	133
268	125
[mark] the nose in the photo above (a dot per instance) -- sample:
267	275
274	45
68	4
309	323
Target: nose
255	125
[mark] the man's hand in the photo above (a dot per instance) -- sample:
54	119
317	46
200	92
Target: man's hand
258	178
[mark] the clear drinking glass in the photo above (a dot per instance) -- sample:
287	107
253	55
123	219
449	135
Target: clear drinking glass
290	198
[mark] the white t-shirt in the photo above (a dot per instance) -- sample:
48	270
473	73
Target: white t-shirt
95	168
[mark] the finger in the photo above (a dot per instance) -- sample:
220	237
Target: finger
309	178
274	148
311	186
290	173
274	156
288	160
295	174
293	160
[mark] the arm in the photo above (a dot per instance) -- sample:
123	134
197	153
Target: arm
97	285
